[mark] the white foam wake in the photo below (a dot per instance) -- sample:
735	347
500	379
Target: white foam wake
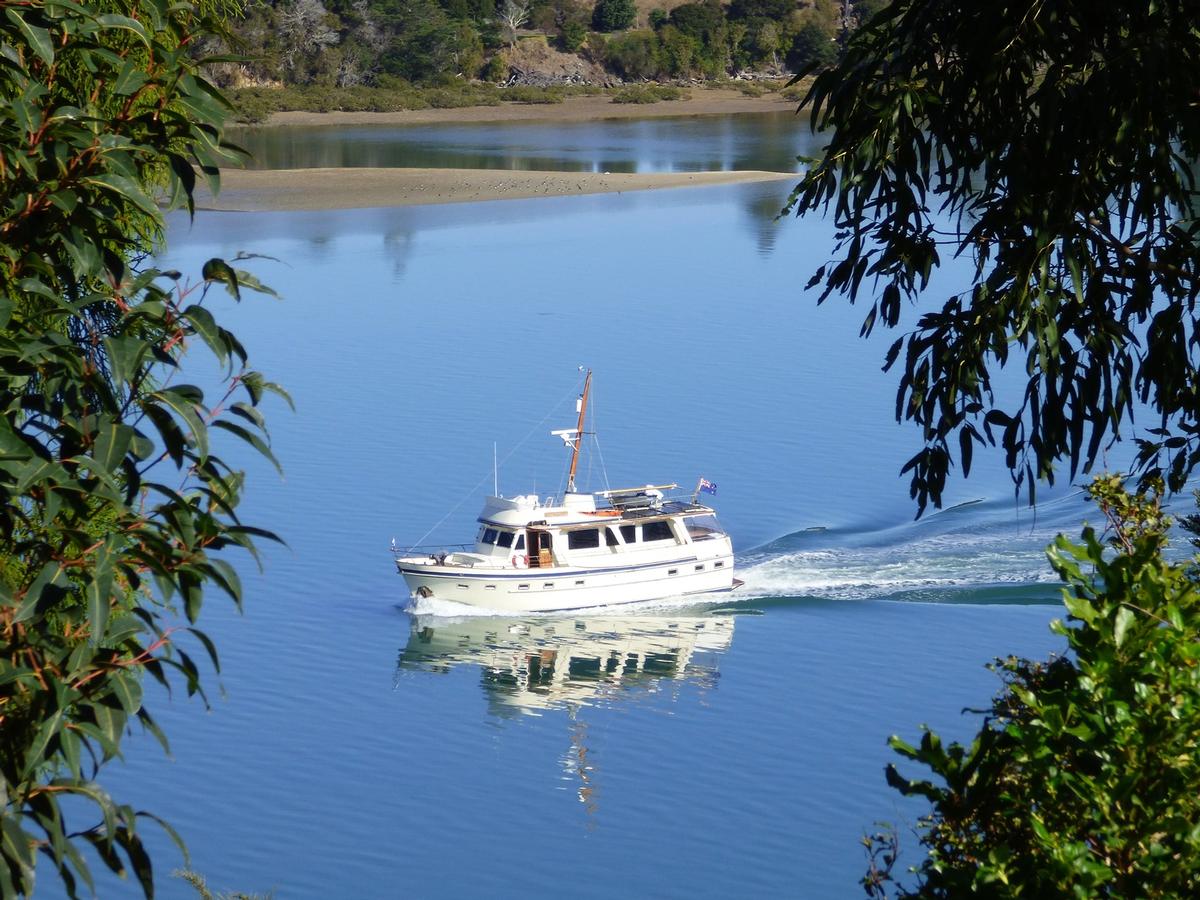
935	559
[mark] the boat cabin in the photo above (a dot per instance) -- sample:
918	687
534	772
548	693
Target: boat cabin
526	532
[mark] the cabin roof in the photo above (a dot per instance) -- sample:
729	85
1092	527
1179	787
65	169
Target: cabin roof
519	516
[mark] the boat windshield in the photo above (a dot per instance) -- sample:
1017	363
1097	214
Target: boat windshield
701	527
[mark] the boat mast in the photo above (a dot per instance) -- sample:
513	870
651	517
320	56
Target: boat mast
583	401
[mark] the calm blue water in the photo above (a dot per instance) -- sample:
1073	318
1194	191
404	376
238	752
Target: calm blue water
357	749
768	141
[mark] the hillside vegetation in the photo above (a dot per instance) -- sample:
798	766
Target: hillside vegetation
340	54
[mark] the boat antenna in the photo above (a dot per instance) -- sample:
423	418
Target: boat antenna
495	473
583	402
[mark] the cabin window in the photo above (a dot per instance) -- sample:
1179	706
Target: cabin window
520	544
672	571
700	568
629	532
610	537
489	535
703	527
505	539
719	565
657	531
587	539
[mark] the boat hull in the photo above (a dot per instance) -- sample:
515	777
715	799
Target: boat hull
565	587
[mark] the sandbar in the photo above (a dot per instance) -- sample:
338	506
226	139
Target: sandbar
357	188
703	102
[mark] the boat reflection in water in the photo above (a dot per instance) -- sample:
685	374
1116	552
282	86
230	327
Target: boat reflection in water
531	665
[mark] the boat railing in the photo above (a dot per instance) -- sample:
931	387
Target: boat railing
433	550
681	504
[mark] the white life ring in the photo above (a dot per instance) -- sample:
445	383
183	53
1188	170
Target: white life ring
524	560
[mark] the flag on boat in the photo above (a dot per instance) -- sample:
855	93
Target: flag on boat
707	487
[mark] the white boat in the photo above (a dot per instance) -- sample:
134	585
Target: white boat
535	554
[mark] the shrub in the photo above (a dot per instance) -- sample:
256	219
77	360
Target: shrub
573	36
812	48
1083	780
496	69
634	55
595	48
649	93
253	105
614	15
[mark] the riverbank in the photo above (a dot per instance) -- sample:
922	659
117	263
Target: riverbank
579	108
319	189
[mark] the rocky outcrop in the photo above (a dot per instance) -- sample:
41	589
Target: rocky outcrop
534	62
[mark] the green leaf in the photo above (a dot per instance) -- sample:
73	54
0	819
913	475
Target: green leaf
138	858
113	20
38	37
125	187
1125	618
219	270
112	443
128	691
36	756
18	848
205	325
183	402
250	438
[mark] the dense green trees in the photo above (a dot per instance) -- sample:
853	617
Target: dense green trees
346	43
115	513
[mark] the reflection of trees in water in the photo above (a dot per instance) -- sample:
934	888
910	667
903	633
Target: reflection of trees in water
321	246
398	244
761	205
766	141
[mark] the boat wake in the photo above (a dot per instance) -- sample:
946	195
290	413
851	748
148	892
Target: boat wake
978	552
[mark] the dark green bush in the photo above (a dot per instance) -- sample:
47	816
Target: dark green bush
614	15
573	36
496	69
649	93
634	54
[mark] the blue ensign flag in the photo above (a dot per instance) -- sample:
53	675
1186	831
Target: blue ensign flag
707	486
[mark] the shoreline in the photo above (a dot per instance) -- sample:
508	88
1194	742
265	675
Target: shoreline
703	102
283	190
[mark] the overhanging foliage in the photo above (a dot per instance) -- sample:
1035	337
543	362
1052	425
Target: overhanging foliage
114	511
1052	143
